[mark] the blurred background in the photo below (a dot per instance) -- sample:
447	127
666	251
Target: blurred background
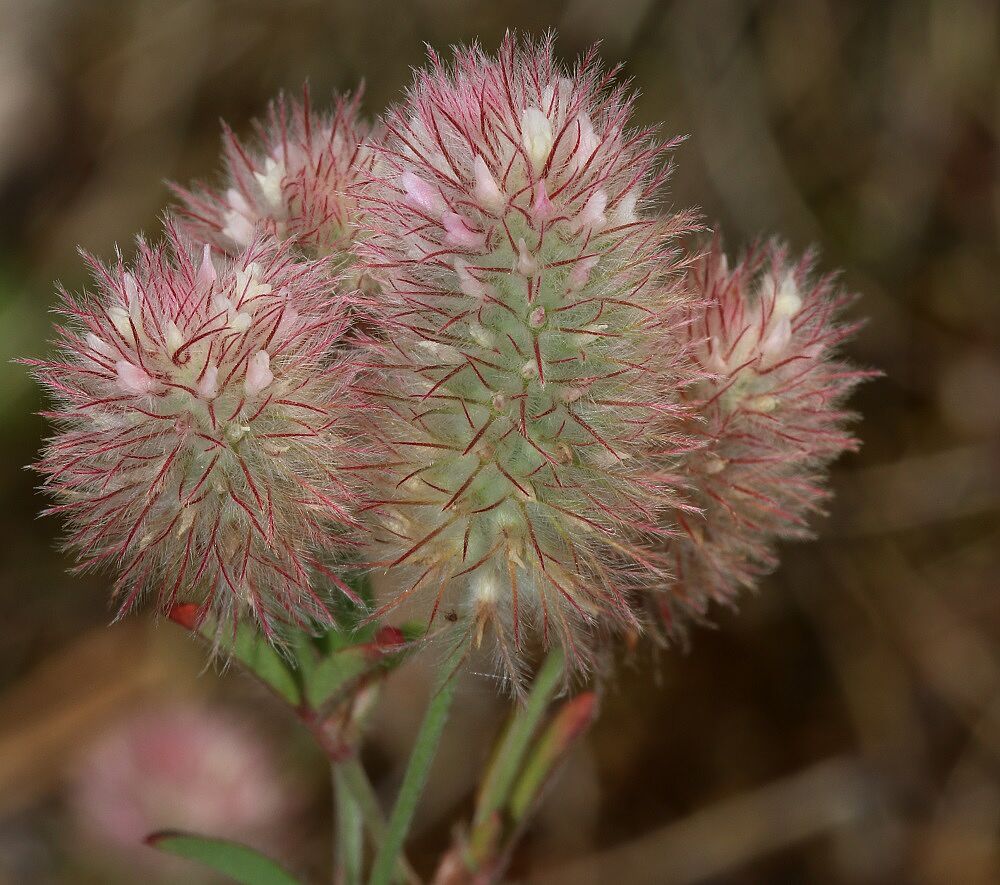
843	727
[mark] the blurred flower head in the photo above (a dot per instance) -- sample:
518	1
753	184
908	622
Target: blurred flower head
529	349
202	447
179	767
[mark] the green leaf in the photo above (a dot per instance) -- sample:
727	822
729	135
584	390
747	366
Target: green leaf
568	726
413	630
352	777
506	763
349	853
334	673
418	768
345	637
349	616
239	862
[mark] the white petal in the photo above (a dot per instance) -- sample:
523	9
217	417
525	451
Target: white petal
788	301
542	207
536	136
481	336
421	194
270	183
289	321
486	190
208	387
588	141
248	285
471	286
526	262
765	403
625	210
443	352
131	291
486	588
175	338
580	275
592	214
778	337
99	345
238	202
259	374
238	228
460	233
206	272
122	321
133	379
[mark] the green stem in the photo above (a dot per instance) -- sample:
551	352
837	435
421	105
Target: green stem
417	770
510	753
348	857
355	779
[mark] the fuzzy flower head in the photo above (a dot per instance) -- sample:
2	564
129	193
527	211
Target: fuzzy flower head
201	448
294	183
770	418
529	310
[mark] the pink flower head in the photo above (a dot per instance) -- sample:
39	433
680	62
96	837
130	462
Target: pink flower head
181	768
294	184
201	409
530	310
769	417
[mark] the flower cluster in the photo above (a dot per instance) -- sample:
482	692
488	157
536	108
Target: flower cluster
531	357
567	418
204	418
768	418
296	184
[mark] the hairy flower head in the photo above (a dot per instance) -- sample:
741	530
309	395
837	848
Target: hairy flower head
769	418
201	447
529	307
294	183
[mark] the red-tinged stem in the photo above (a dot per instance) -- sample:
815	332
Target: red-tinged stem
514	785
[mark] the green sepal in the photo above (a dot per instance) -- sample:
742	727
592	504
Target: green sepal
310	670
337	664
